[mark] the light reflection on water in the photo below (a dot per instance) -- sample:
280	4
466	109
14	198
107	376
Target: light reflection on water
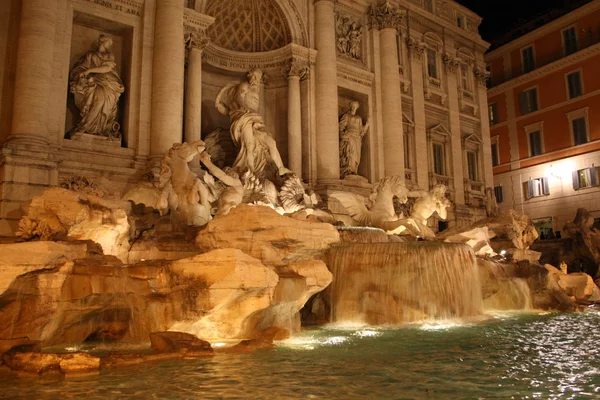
522	356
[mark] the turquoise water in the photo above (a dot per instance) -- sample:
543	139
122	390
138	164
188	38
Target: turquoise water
514	356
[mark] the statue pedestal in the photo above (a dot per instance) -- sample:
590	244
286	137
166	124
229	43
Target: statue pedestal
95	139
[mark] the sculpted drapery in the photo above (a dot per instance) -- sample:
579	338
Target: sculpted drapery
352	132
96	86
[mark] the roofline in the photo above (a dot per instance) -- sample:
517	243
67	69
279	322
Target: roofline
551	26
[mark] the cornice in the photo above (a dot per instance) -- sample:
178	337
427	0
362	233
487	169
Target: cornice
544	30
193	21
546	69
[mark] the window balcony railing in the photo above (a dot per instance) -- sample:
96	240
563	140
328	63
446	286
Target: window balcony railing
435	83
435	179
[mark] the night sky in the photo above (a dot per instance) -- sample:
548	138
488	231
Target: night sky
501	16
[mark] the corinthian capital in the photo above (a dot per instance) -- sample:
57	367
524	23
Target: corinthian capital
417	48
295	68
385	16
450	63
196	40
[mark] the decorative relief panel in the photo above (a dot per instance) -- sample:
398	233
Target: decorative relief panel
349	37
248	25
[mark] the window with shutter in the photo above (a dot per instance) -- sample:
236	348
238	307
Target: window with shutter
529	102
538	187
406	152
499	194
574	84
535	143
495	158
528	59
579	131
570	41
585	178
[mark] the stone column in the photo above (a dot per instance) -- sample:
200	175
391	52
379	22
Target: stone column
387	18
196	43
167	77
451	66
417	50
294	72
33	80
481	76
326	96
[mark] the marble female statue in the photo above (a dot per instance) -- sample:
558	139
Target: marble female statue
352	132
255	145
96	86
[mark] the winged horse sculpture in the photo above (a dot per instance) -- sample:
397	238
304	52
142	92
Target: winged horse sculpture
378	210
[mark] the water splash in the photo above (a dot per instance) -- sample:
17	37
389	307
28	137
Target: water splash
395	283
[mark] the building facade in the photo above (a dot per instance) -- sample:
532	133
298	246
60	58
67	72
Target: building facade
415	67
544	106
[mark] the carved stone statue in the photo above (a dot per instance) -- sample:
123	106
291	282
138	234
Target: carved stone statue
378	211
426	206
352	132
177	188
349	37
255	145
96	86
491	205
233	194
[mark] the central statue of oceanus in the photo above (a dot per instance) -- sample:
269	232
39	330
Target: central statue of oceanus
256	147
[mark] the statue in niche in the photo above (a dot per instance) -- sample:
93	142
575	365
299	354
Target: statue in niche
96	86
349	37
256	146
352	132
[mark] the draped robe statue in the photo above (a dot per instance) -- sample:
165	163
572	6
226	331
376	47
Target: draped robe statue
255	145
96	86
352	132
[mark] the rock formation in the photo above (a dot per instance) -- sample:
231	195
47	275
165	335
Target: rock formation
59	214
586	240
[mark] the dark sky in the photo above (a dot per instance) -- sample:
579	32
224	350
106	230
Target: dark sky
500	16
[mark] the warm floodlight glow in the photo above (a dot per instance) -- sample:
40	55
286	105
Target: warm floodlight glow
503	252
561	170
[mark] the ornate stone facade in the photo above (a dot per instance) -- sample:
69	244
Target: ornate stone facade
173	57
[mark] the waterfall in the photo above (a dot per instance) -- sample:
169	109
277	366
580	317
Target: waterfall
393	283
502	288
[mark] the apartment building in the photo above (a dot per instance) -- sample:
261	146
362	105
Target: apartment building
544	109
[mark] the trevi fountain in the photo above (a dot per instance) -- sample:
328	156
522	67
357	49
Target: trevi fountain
245	199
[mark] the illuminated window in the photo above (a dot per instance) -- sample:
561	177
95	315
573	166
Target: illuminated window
584	178
537	187
493	113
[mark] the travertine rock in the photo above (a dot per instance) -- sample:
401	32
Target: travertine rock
39	363
509	224
18	258
59	214
169	342
476	238
264	234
